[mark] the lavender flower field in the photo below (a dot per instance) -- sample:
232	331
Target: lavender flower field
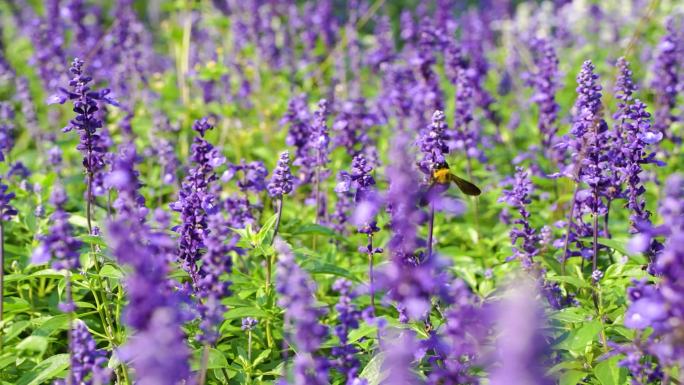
344	192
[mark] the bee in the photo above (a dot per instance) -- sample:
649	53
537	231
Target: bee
443	176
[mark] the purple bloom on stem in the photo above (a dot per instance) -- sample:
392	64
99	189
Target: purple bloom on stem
6	129
281	179
519	198
7	211
59	243
522	350
88	363
296	295
545	83
196	200
433	144
666	80
215	262
661	307
347	363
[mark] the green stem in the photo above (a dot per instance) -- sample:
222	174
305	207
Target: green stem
277	223
2	282
203	369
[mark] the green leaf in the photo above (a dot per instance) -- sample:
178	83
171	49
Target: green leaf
270	222
373	370
574	281
215	360
52	324
111	271
261	357
609	373
45	370
571	377
80	221
242	312
93	239
571	315
578	339
313	228
315	267
33	343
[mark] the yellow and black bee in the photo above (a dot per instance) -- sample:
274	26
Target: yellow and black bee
443	176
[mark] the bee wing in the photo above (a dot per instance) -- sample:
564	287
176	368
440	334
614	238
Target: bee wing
465	186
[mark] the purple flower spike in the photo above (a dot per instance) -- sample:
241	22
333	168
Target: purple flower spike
296	295
88	363
59	243
281	180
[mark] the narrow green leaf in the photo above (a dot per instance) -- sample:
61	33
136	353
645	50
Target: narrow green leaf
373	370
45	370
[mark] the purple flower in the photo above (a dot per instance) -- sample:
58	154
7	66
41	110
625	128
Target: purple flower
87	121
545	84
248	323
519	198
88	363
662	307
348	316
215	262
466	135
296	295
665	79
298	118
521	349
281	180
158	353
433	144
6	129
59	243
7	211
124	179
196	200
253	176
352	126
457	344
401	349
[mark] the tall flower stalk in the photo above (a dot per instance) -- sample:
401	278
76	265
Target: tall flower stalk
7	211
360	183
60	246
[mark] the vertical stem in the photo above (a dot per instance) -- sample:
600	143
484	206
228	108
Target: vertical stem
249	345
203	368
431	225
567	230
70	317
605	219
277	223
595	217
370	272
477	202
2	281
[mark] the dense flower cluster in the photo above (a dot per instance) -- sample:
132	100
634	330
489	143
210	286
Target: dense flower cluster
196	200
281	181
346	363
7	210
666	78
88	363
59	243
215	263
433	144
661	307
6	130
545	83
296	289
87	121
